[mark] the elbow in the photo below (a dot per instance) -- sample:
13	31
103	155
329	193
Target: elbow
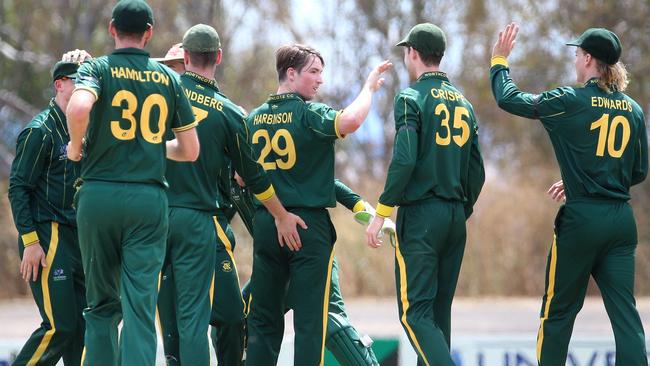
349	123
76	112
502	103
193	151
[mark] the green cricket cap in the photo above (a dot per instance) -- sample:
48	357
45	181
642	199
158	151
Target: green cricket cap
132	16
601	43
201	38
427	39
64	69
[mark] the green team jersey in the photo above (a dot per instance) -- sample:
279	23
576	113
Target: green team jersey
436	152
599	138
42	177
138	100
294	142
223	137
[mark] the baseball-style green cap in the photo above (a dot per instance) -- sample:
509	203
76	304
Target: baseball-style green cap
132	16
201	38
64	69
601	43
427	39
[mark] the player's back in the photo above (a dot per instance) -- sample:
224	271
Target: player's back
600	142
445	123
137	102
195	184
294	142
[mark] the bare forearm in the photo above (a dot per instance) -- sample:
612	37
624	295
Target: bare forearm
185	147
275	208
353	115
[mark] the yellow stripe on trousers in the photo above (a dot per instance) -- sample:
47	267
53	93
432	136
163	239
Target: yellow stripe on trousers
47	302
160	326
405	301
550	292
326	303
224	239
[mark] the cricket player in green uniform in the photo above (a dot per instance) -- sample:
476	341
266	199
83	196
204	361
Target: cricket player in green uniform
600	142
40	193
294	140
435	176
198	236
343	340
123	105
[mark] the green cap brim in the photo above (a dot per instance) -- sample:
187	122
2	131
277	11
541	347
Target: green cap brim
402	43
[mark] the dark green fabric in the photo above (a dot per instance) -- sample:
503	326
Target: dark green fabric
597	239
345	196
431	241
285	128
42	177
122	234
583	150
67	299
302	275
167	315
223	137
190	254
228	307
127	83
601	43
436	151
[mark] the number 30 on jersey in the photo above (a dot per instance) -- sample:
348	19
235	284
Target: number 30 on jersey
153	100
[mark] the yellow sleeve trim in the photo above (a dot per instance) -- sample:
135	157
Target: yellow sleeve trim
499	60
185	128
336	125
29	239
359	206
88	89
264	196
383	210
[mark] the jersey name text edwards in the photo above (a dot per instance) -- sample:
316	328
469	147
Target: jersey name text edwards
206	100
447	95
273	118
137	75
622	105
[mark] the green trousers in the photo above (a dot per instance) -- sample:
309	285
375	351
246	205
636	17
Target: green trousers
188	270
60	296
305	278
122	234
428	255
227	314
228	308
592	238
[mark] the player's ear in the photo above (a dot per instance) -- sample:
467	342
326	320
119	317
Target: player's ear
291	74
219	55
111	29
186	57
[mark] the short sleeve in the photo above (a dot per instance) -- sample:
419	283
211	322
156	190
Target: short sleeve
88	78
323	121
184	118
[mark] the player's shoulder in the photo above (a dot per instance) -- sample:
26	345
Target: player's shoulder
37	125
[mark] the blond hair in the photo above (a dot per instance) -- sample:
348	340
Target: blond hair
612	77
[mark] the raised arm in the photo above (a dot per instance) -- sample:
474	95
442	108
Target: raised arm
353	115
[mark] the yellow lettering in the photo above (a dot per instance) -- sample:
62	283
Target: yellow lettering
199	98
113	72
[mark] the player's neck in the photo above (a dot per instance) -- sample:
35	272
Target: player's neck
129	43
423	69
61	102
